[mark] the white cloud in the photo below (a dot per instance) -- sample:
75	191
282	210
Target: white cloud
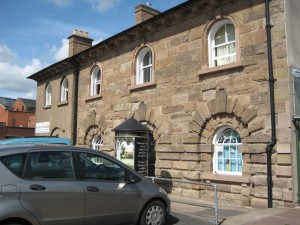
6	54
103	5
13	78
62	52
61	3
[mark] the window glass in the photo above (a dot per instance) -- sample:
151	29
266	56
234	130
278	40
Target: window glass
51	165
228	159
220	36
96	81
222	44
144	66
230	32
297	95
96	167
64	90
48	95
97	142
15	163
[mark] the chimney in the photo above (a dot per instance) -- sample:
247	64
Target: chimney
78	42
144	12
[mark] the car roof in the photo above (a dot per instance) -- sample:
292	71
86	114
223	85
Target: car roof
24	148
49	140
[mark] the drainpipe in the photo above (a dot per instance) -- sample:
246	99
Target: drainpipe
74	100
272	106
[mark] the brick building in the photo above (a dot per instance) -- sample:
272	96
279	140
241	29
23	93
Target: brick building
18	112
17	117
210	81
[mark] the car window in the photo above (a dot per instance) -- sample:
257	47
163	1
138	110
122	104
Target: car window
15	163
51	165
96	167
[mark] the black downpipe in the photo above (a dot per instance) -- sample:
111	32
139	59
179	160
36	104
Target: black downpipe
75	100
272	106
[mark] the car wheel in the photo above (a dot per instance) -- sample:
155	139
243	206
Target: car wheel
153	214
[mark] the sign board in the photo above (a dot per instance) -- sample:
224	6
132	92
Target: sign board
42	128
133	151
141	156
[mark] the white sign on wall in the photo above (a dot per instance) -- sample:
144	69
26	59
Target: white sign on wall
42	128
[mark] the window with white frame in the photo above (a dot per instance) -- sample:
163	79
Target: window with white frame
97	142
48	95
64	90
227	158
95	81
144	66
222	44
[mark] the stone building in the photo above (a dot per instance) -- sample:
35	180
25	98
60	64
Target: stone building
200	78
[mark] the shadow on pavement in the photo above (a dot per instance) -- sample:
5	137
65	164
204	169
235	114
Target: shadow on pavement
182	219
172	220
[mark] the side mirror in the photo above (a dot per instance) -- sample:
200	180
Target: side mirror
132	179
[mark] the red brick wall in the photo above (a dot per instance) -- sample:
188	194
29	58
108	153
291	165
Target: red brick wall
3	115
21	119
19	106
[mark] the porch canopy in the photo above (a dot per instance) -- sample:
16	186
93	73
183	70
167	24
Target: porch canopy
131	124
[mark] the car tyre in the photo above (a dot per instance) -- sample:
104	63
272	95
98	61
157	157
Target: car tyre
153	214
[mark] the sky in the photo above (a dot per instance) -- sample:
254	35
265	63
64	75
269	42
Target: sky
34	34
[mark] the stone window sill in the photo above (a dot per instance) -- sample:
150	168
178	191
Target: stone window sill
64	103
93	98
47	107
142	86
226	178
218	69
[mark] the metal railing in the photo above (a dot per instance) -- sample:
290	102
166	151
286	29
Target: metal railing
214	186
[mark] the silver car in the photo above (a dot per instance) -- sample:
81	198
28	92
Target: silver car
61	185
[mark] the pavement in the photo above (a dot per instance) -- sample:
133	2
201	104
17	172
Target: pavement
230	215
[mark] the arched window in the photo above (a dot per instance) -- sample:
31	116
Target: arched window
48	95
227	158
97	142
222	44
64	89
95	88
144	66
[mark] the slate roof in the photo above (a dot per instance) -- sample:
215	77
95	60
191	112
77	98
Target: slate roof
29	103
7	102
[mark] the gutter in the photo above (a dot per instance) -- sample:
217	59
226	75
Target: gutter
272	106
74	115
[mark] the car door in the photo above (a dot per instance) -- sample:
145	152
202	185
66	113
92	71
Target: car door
50	190
109	199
